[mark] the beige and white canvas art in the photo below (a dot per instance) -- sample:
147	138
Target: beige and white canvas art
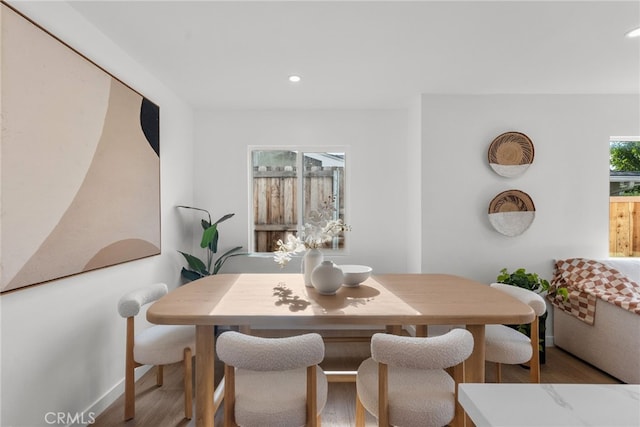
80	162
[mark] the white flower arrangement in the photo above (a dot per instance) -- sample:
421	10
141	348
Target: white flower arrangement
285	250
319	229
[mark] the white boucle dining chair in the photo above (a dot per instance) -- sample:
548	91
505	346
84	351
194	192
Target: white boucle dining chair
404	383
506	345
156	345
272	382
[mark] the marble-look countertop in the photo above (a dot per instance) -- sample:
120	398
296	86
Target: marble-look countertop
539	405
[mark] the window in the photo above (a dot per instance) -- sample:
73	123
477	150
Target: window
624	197
289	187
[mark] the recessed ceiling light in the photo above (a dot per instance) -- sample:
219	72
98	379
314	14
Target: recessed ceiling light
634	33
294	79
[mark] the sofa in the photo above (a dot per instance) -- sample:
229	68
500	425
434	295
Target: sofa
604	332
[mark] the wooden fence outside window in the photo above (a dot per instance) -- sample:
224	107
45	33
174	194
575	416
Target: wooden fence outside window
275	200
624	226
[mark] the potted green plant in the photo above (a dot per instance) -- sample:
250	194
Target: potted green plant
198	268
531	281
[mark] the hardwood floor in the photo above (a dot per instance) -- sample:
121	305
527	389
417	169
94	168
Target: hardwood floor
163	406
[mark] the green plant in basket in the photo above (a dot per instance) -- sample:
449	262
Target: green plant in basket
522	279
530	281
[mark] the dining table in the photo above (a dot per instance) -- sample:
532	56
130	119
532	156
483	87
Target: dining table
282	301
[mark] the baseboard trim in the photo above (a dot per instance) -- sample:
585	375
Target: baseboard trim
93	411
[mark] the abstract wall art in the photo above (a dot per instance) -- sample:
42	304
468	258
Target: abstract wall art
79	158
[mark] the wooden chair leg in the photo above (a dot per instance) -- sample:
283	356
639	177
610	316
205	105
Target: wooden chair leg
383	395
188	384
229	396
534	363
360	412
312	401
159	375
129	380
498	373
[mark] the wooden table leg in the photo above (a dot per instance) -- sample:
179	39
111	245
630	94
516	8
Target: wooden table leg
474	365
204	375
457	372
394	329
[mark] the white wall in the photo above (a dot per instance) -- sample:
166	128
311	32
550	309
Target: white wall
414	185
431	213
378	198
63	342
568	180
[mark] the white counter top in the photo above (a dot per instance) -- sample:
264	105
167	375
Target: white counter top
561	405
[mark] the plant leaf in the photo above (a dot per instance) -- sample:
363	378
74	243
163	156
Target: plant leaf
564	292
208	235
220	261
195	263
196	209
190	274
213	245
224	218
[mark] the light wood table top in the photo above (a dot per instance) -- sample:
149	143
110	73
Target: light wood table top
282	300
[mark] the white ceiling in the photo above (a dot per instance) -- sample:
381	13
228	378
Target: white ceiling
373	54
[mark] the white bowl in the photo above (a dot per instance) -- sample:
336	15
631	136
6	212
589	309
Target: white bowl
355	274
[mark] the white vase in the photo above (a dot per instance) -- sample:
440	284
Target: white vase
312	258
327	278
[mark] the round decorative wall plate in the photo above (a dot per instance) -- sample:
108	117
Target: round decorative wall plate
510	154
511	212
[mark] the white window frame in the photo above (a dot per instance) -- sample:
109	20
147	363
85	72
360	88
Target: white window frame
301	150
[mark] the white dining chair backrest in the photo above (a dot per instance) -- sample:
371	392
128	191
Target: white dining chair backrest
505	345
270	354
157	345
404	382
129	305
439	352
272	382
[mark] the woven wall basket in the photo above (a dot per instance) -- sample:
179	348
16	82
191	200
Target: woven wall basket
510	154
511	212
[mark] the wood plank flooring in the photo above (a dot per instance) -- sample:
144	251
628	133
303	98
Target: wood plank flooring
163	406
